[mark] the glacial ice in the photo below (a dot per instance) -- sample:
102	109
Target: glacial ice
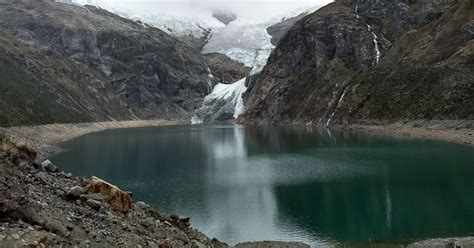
225	99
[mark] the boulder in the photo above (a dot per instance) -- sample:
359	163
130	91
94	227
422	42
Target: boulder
94	204
74	192
49	166
118	199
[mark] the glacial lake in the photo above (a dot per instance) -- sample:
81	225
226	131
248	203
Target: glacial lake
322	187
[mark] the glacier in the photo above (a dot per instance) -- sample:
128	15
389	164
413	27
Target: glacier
224	103
243	40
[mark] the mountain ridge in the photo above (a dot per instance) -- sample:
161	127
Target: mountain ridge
325	71
82	64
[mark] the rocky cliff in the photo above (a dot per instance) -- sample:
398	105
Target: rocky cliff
225	69
67	63
278	30
366	61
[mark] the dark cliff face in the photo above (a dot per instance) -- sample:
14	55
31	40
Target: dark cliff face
325	70
65	63
225	69
224	16
278	30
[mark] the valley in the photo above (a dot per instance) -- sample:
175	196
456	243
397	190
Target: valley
339	123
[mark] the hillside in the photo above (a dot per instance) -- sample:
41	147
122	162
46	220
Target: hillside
378	61
67	63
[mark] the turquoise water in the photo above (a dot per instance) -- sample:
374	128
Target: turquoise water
318	186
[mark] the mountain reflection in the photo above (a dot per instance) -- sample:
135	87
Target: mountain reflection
279	183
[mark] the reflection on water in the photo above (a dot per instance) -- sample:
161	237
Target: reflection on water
267	183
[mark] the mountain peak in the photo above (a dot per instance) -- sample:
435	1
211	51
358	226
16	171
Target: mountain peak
224	16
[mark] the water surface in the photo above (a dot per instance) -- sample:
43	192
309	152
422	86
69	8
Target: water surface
318	186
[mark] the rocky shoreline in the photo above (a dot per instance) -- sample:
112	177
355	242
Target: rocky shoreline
43	138
41	206
38	205
454	131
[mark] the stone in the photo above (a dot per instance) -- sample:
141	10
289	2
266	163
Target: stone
145	223
38	166
74	193
65	175
15	225
94	204
49	166
15	236
2	237
95	196
152	244
199	244
141	204
164	244
118	199
60	192
85	182
42	177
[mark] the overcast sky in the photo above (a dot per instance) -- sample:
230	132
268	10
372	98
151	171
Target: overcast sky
258	10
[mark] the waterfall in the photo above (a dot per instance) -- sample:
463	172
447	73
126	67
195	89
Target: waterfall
339	102
377	49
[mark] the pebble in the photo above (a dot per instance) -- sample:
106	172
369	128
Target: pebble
15	226
21	233
31	228
141	204
59	192
85	182
145	223
2	237
16	236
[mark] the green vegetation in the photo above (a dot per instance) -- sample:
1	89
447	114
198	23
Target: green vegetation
20	104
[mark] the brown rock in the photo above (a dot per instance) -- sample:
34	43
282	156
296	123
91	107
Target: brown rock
164	244
118	199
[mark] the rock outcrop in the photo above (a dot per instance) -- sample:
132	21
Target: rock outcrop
67	63
118	200
278	30
224	16
228	71
367	61
50	209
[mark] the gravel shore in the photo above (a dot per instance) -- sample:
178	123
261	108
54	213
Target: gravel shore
42	206
454	131
35	209
44	138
